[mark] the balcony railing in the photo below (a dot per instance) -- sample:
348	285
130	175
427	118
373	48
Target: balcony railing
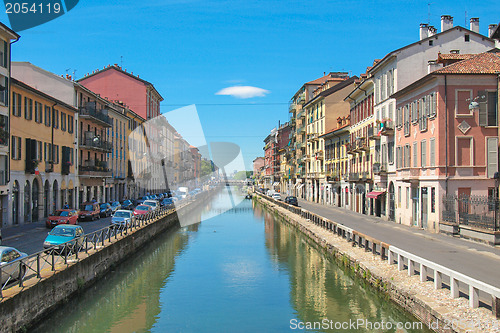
366	175
387	127
353	176
94	168
379	168
96	143
350	148
292	107
301	99
373	134
319	155
89	111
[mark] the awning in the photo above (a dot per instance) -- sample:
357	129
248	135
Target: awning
374	194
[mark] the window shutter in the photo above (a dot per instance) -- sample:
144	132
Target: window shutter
433	152
492	148
423	154
5	54
483	110
414	154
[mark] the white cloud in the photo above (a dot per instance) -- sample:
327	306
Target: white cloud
243	92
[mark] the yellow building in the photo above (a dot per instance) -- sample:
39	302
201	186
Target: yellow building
42	153
322	112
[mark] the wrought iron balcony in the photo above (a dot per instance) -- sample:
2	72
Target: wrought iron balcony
353	176
379	168
387	127
90	112
373	134
96	143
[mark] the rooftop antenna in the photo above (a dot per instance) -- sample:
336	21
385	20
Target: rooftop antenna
121	61
465	22
74	76
67	70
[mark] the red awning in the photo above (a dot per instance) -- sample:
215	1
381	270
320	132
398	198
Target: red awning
374	194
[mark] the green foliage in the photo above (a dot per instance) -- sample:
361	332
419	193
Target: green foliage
205	168
242	175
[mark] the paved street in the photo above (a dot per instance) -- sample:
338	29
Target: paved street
29	237
479	261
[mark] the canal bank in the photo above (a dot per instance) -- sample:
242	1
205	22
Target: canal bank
23	307
435	308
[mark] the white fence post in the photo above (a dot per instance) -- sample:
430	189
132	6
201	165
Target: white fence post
454	287
473	297
438	279
400	263
423	273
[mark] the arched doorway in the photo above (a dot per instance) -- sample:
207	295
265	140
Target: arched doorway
34	200
392	210
46	196
15	203
55	192
27	202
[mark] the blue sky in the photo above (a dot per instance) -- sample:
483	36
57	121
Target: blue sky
190	50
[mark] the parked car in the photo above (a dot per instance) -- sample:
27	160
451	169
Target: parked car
10	270
62	216
122	217
142	209
153	203
291	200
127	204
276	196
62	234
167	202
89	210
115	206
105	210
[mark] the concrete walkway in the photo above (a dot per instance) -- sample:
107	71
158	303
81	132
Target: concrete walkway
478	261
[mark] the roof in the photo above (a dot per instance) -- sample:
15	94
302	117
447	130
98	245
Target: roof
454	56
331	75
335	88
120	70
42	94
10	31
496	33
483	63
393	53
343	128
487	63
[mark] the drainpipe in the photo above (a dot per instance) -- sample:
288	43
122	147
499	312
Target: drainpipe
446	132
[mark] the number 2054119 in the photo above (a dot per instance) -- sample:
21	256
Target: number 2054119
34	8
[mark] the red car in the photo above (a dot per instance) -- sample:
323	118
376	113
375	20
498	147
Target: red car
142	209
62	216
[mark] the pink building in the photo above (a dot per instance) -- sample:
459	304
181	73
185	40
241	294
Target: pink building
447	141
117	84
258	165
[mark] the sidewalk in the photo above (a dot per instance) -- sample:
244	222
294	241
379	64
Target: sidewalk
476	260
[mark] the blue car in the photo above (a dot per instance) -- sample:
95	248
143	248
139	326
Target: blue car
62	234
167	202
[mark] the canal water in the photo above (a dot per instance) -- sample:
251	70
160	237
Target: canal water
239	270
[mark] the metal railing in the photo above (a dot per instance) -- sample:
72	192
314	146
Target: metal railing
47	262
404	260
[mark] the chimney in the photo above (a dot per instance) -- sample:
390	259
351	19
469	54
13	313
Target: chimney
491	29
474	24
424	31
432	65
446	22
431	31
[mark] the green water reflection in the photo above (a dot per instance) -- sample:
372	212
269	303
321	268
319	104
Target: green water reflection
241	271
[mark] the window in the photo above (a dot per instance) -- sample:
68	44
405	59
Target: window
38	112
399	157
462	101
4	83
407	156
390	151
492	151
16	104
16	148
399	196
423	114
431	42
432	149
464	152
407	197
63	121
432	105
414	154
47	115
423	153
467	37
4	53
406	120
39	151
488	108
70	124
28	108
55	120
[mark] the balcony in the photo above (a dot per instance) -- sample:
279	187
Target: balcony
292	107
301	99
332	177
313	136
379	168
100	117
350	148
319	155
4	131
372	134
353	177
92	168
361	145
410	175
92	141
366	175
387	127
